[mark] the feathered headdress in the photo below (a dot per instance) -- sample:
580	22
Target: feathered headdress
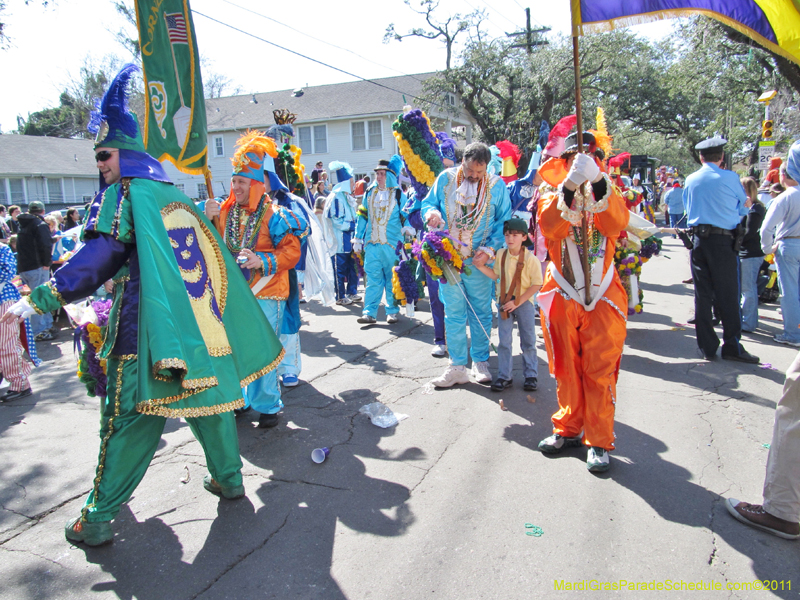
510	155
555	141
276	131
252	148
112	123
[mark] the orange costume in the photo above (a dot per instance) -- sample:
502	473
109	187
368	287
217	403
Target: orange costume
584	343
285	255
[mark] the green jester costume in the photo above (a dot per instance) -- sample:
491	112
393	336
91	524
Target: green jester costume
185	334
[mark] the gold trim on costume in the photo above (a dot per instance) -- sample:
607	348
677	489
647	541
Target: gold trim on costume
53	290
199	411
221	351
199	384
104	442
261	372
32	304
168	363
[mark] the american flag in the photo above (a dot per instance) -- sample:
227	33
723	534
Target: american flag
176	28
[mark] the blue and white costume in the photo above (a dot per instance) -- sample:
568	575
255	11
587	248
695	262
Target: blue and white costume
380	224
340	210
477	221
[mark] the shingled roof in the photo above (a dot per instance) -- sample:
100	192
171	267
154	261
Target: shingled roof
318	103
27	155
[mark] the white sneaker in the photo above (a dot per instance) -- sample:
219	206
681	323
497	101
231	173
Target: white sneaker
344	301
480	371
392	319
452	374
439	350
597	460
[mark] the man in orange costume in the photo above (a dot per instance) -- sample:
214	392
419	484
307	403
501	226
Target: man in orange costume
584	342
265	238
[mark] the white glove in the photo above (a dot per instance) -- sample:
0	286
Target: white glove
583	169
408	230
22	309
358	245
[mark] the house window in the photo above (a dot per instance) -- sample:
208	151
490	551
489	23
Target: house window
3	193
320	139
202	191
450	99
304	136
219	146
17	188
55	193
180	187
313	140
367	135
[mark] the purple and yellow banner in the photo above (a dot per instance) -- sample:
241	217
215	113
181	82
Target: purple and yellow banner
775	24
175	113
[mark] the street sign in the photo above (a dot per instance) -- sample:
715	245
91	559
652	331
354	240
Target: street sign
765	150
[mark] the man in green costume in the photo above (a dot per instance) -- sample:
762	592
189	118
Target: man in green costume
184	335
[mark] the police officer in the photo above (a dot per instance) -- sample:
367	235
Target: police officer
714	199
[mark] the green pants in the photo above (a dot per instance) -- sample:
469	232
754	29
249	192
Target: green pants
129	440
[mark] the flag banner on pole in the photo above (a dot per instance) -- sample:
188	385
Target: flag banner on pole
775	24
175	112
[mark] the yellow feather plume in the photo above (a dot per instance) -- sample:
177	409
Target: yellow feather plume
253	141
601	135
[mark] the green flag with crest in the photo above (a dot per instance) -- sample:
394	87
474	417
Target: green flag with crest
175	113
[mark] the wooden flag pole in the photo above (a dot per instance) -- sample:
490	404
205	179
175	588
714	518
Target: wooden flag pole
584	225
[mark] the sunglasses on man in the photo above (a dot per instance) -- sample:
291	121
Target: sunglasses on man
103	156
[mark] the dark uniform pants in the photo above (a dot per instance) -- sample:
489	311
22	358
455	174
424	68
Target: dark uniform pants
715	269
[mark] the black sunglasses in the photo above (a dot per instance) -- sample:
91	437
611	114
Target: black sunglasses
103	156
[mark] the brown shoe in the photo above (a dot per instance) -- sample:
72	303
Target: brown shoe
755	516
690	280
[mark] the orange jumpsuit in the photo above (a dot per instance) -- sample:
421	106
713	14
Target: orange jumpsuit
584	345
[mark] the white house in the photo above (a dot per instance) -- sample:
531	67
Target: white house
56	171
351	122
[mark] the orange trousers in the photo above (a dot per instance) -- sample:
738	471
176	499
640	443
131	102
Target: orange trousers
584	350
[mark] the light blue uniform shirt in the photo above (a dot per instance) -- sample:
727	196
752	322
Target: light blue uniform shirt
674	201
715	197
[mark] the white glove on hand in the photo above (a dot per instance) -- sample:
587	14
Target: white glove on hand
22	309
583	169
408	230
358	245
433	218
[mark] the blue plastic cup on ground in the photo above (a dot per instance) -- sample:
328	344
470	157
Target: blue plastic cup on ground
318	455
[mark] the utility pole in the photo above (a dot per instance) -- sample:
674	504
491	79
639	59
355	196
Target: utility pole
529	34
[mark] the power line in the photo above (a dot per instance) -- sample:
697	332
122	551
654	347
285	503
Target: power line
319	62
317	38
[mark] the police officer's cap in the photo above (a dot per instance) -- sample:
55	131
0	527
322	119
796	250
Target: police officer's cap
711	145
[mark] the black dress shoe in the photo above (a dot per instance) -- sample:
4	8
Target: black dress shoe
11	395
500	384
692	321
743	356
268	421
530	385
238	412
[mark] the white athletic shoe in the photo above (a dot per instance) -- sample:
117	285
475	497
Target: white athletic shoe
597	460
452	374
439	350
480	371
393	318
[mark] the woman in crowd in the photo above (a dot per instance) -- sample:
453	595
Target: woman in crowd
73	219
750	255
319	197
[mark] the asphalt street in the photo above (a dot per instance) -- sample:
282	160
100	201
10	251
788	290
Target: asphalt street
440	506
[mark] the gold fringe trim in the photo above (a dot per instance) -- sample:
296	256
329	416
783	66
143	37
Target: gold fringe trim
220	351
168	363
49	285
202	383
261	372
32	304
199	411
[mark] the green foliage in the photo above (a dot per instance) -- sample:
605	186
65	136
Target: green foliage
660	97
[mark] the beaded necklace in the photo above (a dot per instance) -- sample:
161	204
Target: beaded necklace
595	240
463	220
235	238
